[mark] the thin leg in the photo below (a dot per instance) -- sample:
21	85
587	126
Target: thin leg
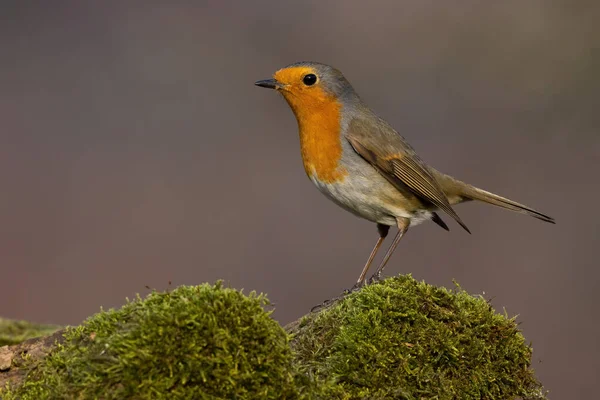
383	232
403	224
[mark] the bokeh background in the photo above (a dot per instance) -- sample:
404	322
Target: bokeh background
135	150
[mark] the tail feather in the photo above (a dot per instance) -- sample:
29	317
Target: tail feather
473	193
458	191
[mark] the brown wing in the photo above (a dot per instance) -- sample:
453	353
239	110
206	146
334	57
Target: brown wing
393	157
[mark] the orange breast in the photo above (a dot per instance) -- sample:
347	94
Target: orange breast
320	141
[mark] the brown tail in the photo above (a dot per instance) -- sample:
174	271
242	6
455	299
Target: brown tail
458	192
473	193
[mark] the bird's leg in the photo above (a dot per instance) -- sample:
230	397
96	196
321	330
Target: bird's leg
383	232
403	224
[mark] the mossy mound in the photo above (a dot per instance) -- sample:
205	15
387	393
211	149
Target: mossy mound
202	342
13	332
399	339
404	339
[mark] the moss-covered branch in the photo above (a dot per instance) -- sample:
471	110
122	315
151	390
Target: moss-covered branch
400	339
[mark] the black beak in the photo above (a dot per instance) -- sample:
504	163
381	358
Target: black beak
268	83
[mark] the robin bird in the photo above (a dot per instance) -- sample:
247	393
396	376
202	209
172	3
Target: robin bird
361	163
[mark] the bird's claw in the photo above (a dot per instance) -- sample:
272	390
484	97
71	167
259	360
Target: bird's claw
375	278
327	303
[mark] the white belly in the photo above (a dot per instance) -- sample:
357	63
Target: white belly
362	197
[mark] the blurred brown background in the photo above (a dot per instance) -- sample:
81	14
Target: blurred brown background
135	150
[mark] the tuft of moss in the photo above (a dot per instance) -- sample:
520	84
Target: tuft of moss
14	332
196	342
399	339
403	339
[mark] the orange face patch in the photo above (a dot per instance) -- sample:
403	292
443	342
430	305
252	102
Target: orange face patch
318	116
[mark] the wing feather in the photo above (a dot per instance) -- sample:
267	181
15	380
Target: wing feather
389	153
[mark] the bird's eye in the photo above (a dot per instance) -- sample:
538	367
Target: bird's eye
309	79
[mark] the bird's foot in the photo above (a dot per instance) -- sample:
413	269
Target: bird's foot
375	278
328	303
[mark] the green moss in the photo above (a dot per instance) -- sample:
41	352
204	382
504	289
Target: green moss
13	332
400	339
404	339
200	342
